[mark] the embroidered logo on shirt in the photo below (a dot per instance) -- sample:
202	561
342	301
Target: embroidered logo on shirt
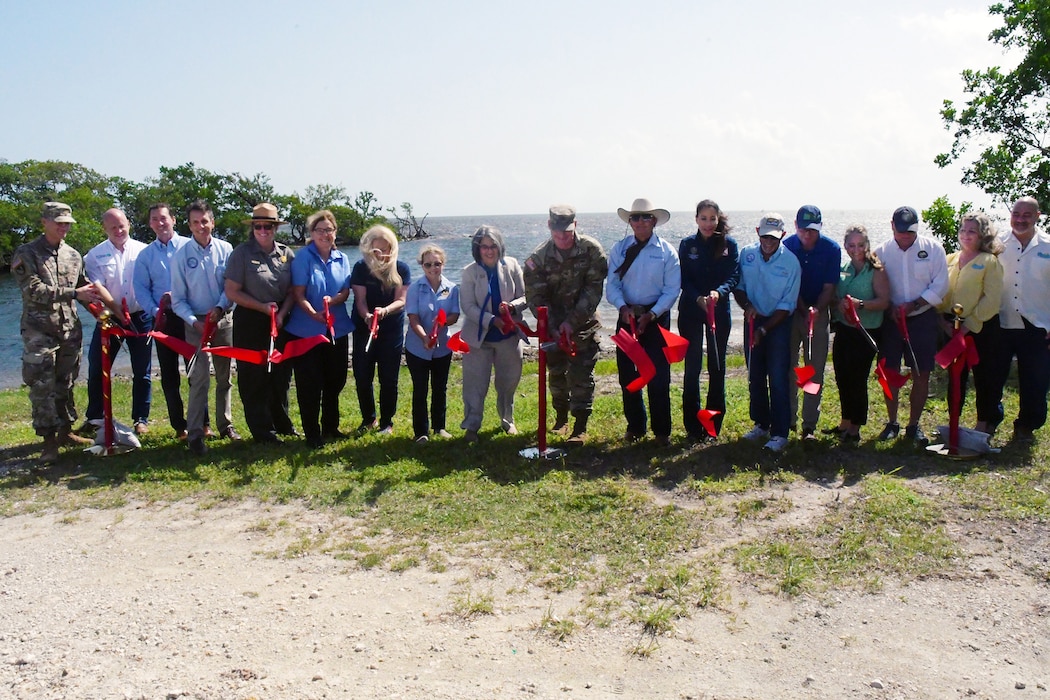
192	263
923	255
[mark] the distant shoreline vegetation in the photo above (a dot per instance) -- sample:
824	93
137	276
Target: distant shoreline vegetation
25	186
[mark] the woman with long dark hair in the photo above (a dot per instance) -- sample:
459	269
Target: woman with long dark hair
709	274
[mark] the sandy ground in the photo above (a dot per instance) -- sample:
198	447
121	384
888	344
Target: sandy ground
170	601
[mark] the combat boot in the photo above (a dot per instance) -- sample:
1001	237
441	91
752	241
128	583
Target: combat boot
49	455
579	431
561	423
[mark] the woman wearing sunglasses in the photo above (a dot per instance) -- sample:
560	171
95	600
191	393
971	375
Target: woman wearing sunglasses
258	279
433	306
380	284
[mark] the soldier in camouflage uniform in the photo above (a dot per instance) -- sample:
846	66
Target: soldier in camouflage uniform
566	274
51	277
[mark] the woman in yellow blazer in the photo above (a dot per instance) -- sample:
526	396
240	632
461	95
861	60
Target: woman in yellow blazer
975	281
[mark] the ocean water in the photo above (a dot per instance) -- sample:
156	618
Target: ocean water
522	233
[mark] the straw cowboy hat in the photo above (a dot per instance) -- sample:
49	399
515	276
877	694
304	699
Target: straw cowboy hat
265	212
644	206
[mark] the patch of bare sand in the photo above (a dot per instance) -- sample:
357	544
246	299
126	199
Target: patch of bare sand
180	601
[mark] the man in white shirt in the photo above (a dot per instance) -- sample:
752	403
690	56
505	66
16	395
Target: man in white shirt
1024	315
918	272
112	264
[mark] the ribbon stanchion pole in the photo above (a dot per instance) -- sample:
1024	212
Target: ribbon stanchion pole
541	450
108	438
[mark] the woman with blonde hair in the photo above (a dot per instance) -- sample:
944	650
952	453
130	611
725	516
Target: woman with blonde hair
380	285
975	282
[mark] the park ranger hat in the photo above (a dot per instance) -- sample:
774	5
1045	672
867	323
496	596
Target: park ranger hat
58	212
265	212
772	224
562	218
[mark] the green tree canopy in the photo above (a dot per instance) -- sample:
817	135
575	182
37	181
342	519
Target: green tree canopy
1007	115
25	186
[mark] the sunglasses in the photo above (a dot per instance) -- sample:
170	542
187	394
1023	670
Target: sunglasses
429	265
264	227
642	217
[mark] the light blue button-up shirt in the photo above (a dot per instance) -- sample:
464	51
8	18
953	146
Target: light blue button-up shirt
153	272
198	282
770	285
654	278
424	302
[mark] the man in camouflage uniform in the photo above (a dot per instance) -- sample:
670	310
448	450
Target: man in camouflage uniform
51	277
566	274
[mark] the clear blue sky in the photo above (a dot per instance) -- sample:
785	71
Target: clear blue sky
504	107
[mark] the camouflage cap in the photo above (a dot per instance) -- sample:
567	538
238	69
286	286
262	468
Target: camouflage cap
58	212
562	218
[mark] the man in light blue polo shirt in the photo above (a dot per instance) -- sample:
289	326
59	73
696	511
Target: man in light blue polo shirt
198	295
770	277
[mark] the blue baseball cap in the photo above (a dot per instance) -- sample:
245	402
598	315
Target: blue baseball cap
809	217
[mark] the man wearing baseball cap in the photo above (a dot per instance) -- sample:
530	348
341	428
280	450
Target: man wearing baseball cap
820	259
50	275
918	272
768	292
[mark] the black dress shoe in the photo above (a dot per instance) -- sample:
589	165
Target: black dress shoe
197	446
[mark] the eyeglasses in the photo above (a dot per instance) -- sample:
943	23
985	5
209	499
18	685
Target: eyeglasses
642	217
436	263
264	227
324	231
488	247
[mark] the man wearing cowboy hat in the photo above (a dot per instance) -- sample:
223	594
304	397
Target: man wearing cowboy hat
770	277
643	283
258	279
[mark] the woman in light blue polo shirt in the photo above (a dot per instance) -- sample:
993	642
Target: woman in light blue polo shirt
429	360
321	271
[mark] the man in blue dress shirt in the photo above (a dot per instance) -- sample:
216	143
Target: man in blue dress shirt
643	284
152	285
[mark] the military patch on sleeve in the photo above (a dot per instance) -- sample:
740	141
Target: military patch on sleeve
18	267
531	264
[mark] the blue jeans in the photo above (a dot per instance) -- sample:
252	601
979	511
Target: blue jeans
769	377
141	369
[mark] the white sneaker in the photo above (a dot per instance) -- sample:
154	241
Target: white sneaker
757	433
776	444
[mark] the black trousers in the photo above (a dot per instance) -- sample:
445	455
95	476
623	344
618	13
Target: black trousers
658	389
428	376
263	389
320	376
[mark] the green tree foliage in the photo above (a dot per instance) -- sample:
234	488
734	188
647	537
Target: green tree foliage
1007	115
943	220
25	186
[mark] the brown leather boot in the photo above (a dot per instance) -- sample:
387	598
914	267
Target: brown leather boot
579	431
561	423
49	455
